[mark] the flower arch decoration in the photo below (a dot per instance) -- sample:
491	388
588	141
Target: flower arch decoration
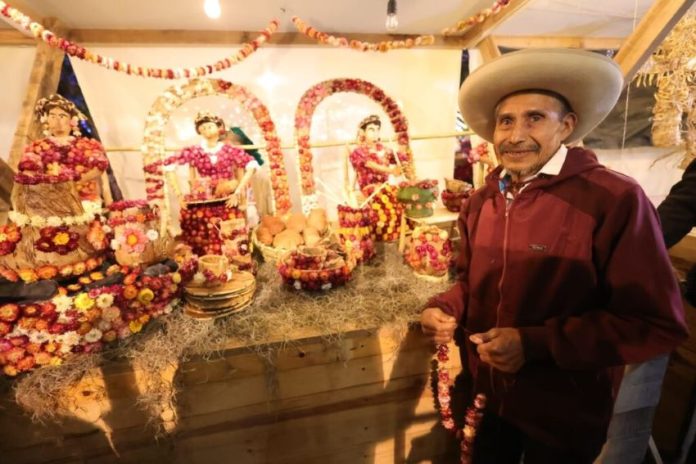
303	124
153	148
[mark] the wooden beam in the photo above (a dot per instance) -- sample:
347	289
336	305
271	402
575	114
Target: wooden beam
12	37
488	49
6	183
43	81
588	43
477	33
651	31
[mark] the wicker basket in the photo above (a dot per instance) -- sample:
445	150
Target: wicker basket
273	255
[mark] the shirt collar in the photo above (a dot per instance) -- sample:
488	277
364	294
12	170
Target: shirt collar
553	165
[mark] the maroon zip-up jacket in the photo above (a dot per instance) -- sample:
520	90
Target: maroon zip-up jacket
576	262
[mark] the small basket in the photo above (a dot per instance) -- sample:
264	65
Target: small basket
334	270
273	255
216	264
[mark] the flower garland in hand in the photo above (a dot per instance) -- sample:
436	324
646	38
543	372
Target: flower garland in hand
474	413
16	17
384	46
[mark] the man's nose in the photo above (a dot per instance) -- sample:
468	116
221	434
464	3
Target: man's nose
518	133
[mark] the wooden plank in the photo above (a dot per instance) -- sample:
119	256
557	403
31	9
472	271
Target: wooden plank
650	32
6	184
12	37
217	37
488	49
477	33
588	43
43	81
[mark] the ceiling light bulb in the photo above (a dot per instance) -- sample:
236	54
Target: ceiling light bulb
392	22
212	8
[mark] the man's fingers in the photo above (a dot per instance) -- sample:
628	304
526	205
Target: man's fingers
484	337
445	318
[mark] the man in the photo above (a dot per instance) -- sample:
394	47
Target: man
562	274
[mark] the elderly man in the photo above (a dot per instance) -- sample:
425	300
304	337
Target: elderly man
563	277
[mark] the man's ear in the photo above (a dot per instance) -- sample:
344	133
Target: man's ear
569	121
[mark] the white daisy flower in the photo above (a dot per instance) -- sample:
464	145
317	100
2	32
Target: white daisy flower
38	221
38	337
198	278
19	219
68	340
69	221
152	235
63	303
326	286
115	244
105	300
298	285
53	221
93	335
107	229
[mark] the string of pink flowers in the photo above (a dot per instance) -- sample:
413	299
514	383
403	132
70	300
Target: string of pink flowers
474	413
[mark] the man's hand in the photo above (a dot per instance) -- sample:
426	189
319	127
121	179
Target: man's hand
437	325
501	348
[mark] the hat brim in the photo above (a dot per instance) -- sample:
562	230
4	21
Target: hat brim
590	82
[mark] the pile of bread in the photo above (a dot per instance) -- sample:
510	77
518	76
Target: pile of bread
293	229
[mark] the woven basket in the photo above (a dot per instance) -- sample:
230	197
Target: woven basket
273	255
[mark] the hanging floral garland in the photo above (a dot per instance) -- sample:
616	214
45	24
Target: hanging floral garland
474	413
158	117
465	24
16	17
303	125
384	46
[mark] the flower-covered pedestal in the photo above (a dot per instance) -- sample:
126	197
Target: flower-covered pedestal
315	269
429	253
418	198
355	232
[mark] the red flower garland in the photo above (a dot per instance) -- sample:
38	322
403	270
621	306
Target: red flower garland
384	46
18	18
474	413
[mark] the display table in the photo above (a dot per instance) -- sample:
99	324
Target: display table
346	394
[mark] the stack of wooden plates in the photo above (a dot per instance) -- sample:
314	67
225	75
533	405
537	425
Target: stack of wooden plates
223	300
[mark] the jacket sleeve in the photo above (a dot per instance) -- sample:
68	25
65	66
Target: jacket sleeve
678	211
453	301
644	316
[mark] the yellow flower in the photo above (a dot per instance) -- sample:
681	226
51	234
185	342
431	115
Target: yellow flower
3	237
83	302
135	326
28	275
132	240
53	169
146	296
56	361
176	278
61	238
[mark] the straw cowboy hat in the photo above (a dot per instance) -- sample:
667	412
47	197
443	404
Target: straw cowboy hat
591	83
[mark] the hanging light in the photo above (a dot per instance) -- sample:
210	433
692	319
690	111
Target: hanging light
392	21
212	8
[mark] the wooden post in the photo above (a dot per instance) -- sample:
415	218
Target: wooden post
43	81
651	31
480	31
489	49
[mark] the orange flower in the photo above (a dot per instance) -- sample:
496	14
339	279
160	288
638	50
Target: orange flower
28	275
130	292
47	272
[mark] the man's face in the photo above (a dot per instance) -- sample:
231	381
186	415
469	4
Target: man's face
529	129
209	130
58	122
372	132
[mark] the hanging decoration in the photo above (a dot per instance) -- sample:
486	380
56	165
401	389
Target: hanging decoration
384	46
474	413
17	18
154	148
673	68
465	24
303	125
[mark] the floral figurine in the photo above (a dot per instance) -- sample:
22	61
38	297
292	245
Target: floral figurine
373	164
64	154
219	174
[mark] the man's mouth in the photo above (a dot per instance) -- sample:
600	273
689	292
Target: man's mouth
519	153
